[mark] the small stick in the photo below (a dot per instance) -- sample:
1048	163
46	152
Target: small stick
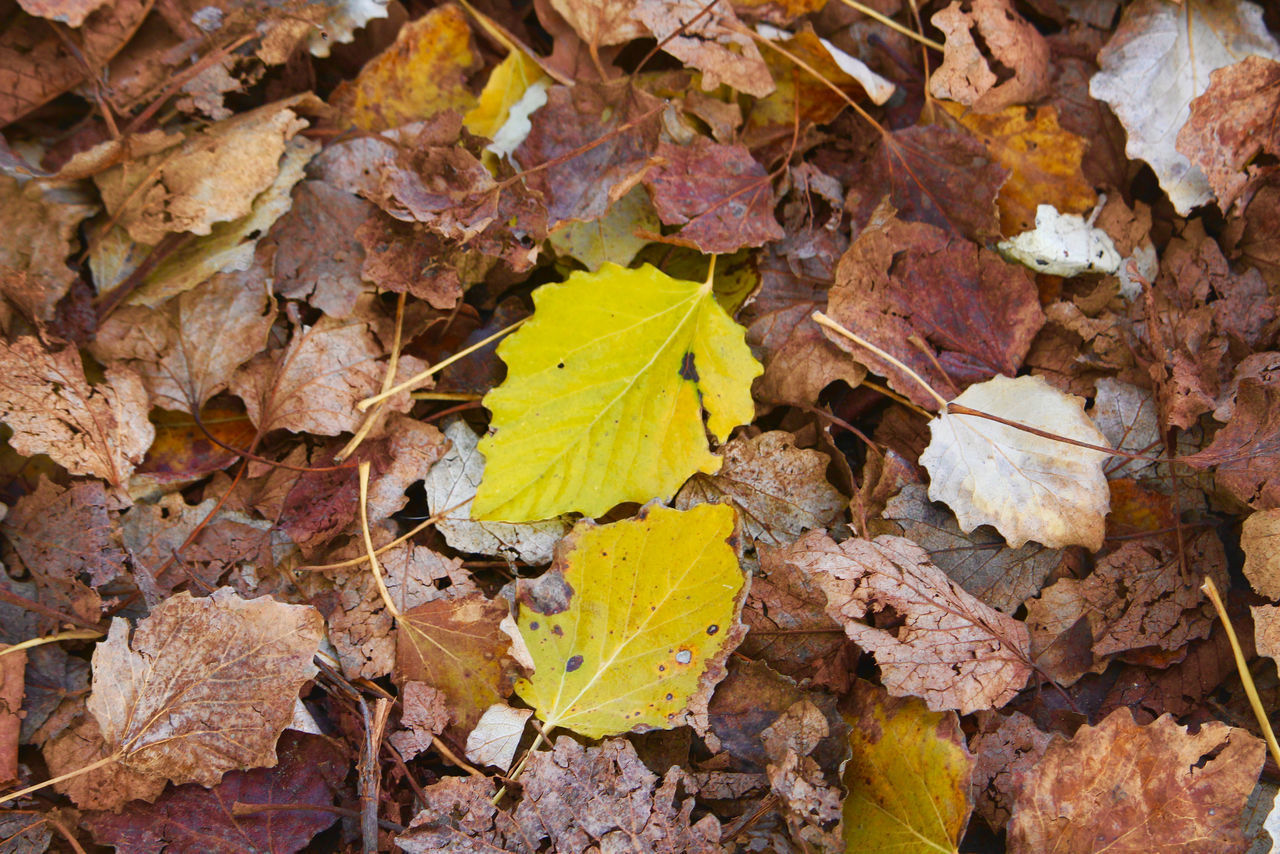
75	634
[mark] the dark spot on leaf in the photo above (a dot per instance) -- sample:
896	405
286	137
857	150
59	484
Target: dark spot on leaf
557	631
573	663
687	370
561	365
534	625
670	696
712	629
549	594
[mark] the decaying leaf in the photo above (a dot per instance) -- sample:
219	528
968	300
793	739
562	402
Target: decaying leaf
1025	486
908	779
452	482
633	622
944	645
966	74
1122	787
99	430
1157	61
204	686
711	41
614	365
1260	539
780	491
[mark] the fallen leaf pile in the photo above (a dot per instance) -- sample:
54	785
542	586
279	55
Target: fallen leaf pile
644	426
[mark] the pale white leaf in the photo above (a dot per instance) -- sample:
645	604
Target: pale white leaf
497	735
1025	486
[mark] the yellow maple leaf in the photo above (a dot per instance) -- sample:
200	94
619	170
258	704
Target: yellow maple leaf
604	395
632	620
507	84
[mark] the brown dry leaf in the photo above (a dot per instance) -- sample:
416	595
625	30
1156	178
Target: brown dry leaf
206	686
318	258
799	361
714	42
618	126
949	648
980	561
423	74
424	714
1135	597
1007	750
1246	453
30	43
60	533
601	23
1044	162
360	627
456	645
313	385
459	816
933	175
12	671
39	222
1259	538
1231	124
966	74
187	348
100	430
212	177
719	194
975	313
604	796
779	490
107	788
789	628
1123	788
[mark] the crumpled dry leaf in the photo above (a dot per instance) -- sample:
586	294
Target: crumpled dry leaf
1246	452
318	257
213	176
1025	486
719	194
1127	788
1260	539
966	74
1007	750
100	430
63	532
496	737
779	490
206	685
953	651
187	349
712	41
1157	61
424	713
454	479
1230	125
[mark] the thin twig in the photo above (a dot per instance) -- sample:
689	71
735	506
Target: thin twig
76	634
893	25
1211	590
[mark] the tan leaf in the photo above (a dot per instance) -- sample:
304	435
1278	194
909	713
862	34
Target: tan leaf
966	74
1025	486
39	223
187	348
497	736
1266	630
107	788
714	42
63	532
1259	538
99	430
780	490
313	385
952	651
601	23
1119	787
207	685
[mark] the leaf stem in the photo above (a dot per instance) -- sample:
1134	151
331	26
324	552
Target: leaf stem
94	766
822	320
893	25
1211	590
372	555
74	634
438	366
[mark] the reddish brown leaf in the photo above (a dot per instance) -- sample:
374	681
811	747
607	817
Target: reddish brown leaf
1233	122
1246	452
933	175
318	257
1128	788
906	282
711	41
13	666
719	193
589	145
193	818
966	74
1007	750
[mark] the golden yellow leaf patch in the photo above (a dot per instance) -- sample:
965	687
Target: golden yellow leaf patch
604	395
632	620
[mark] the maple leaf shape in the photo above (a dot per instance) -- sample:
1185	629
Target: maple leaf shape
100	430
953	651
